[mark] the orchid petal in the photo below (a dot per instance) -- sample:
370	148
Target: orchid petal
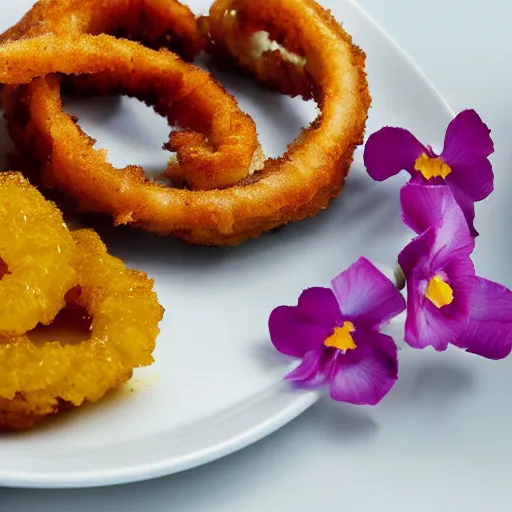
439	249
435	206
414	259
467	145
467	133
364	376
366	296
424	206
391	150
489	330
320	305
475	177
312	371
427	325
467	206
453	247
295	330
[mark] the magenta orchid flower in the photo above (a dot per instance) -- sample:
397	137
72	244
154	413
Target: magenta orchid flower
446	302
463	165
336	334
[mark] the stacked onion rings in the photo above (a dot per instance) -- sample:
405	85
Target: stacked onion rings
315	57
37	380
218	145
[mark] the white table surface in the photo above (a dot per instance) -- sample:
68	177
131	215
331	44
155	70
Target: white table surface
337	458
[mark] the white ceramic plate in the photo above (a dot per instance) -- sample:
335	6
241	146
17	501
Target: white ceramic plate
217	384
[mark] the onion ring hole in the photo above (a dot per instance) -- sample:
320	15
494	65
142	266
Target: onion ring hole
72	325
132	132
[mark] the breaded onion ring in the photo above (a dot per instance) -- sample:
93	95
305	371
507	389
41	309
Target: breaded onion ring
154	23
36	249
290	188
217	144
39	380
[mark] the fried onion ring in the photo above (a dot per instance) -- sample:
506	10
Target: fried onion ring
36	248
217	144
40	380
154	23
293	187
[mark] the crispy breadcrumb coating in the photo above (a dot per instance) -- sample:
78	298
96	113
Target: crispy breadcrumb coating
217	142
37	380
36	248
327	66
155	23
207	158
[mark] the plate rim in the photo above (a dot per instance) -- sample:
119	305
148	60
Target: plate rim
294	404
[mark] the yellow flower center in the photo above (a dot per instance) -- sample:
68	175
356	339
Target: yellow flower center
341	337
439	292
432	167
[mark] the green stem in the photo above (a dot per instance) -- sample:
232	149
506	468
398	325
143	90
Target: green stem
399	277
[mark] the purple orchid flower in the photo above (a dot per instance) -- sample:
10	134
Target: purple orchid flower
463	165
336	334
446	302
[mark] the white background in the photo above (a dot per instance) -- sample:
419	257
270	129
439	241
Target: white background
333	457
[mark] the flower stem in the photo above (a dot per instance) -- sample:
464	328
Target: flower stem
399	277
